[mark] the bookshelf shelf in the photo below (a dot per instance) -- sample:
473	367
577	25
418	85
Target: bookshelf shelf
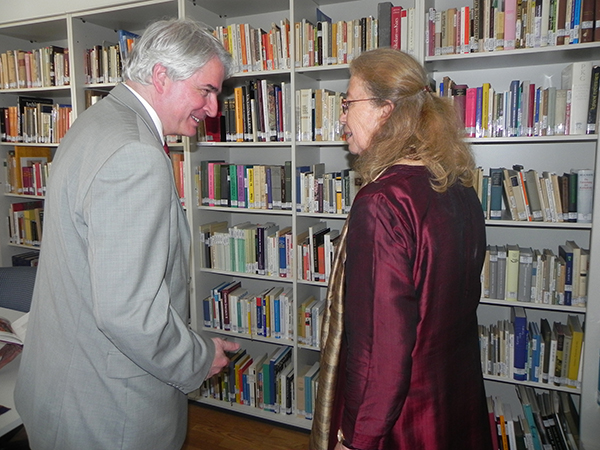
556	225
530	305
533	384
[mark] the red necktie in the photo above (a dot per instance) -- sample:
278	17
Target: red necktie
166	147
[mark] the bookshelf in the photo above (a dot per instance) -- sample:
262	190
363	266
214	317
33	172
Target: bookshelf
83	26
542	66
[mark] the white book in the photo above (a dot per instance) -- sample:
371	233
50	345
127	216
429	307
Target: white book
577	78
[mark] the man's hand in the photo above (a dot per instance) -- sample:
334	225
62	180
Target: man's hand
9	352
221	360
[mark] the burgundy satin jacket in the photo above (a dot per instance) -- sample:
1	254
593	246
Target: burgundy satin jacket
410	374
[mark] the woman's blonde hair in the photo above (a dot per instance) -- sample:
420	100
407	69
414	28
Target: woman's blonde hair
422	126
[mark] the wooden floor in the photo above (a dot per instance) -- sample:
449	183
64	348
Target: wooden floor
214	429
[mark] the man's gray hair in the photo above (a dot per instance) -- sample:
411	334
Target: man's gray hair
182	46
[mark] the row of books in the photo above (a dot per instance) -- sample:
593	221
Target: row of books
524	195
266	249
103	63
259	111
522	350
247	247
522	274
35	120
232	307
318	115
495	26
324	42
526	110
25	223
267	382
253	186
43	67
257	186
27	170
396	27
326	192
546	420
255	49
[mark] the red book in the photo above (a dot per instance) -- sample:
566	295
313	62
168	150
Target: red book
471	112
396	13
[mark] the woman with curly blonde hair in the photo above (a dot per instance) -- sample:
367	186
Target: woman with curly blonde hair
400	364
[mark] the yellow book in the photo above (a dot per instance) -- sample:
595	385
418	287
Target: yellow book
239	114
512	272
576	349
250	175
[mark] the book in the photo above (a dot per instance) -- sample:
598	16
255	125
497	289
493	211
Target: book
576	77
27	157
512	272
585	190
519	320
576	330
14	332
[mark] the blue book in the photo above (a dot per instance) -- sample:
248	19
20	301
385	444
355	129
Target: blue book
282	256
513	113
535	342
519	320
479	113
496	176
567	254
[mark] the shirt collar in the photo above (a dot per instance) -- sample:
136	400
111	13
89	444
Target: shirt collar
150	110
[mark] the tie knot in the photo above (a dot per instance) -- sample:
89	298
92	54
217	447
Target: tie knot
166	147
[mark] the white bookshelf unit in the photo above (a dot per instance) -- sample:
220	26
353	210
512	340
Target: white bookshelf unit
81	25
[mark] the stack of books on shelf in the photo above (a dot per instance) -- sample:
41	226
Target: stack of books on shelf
261	249
509	25
252	186
531	196
259	111
264	381
520	350
320	43
25	222
35	120
545	420
29	259
318	115
552	418
325	192
104	63
232	307
310	317
524	109
522	274
43	67
316	250
27	170
254	49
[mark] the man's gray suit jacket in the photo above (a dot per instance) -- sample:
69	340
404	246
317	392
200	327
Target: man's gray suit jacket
108	357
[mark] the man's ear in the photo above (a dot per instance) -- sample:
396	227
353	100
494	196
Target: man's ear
159	77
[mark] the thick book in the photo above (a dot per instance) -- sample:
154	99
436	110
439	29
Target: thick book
519	320
577	78
585	191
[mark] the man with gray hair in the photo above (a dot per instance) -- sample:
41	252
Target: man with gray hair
109	357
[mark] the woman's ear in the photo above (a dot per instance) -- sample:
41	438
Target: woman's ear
386	109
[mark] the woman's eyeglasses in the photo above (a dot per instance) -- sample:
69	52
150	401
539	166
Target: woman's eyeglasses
346	103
